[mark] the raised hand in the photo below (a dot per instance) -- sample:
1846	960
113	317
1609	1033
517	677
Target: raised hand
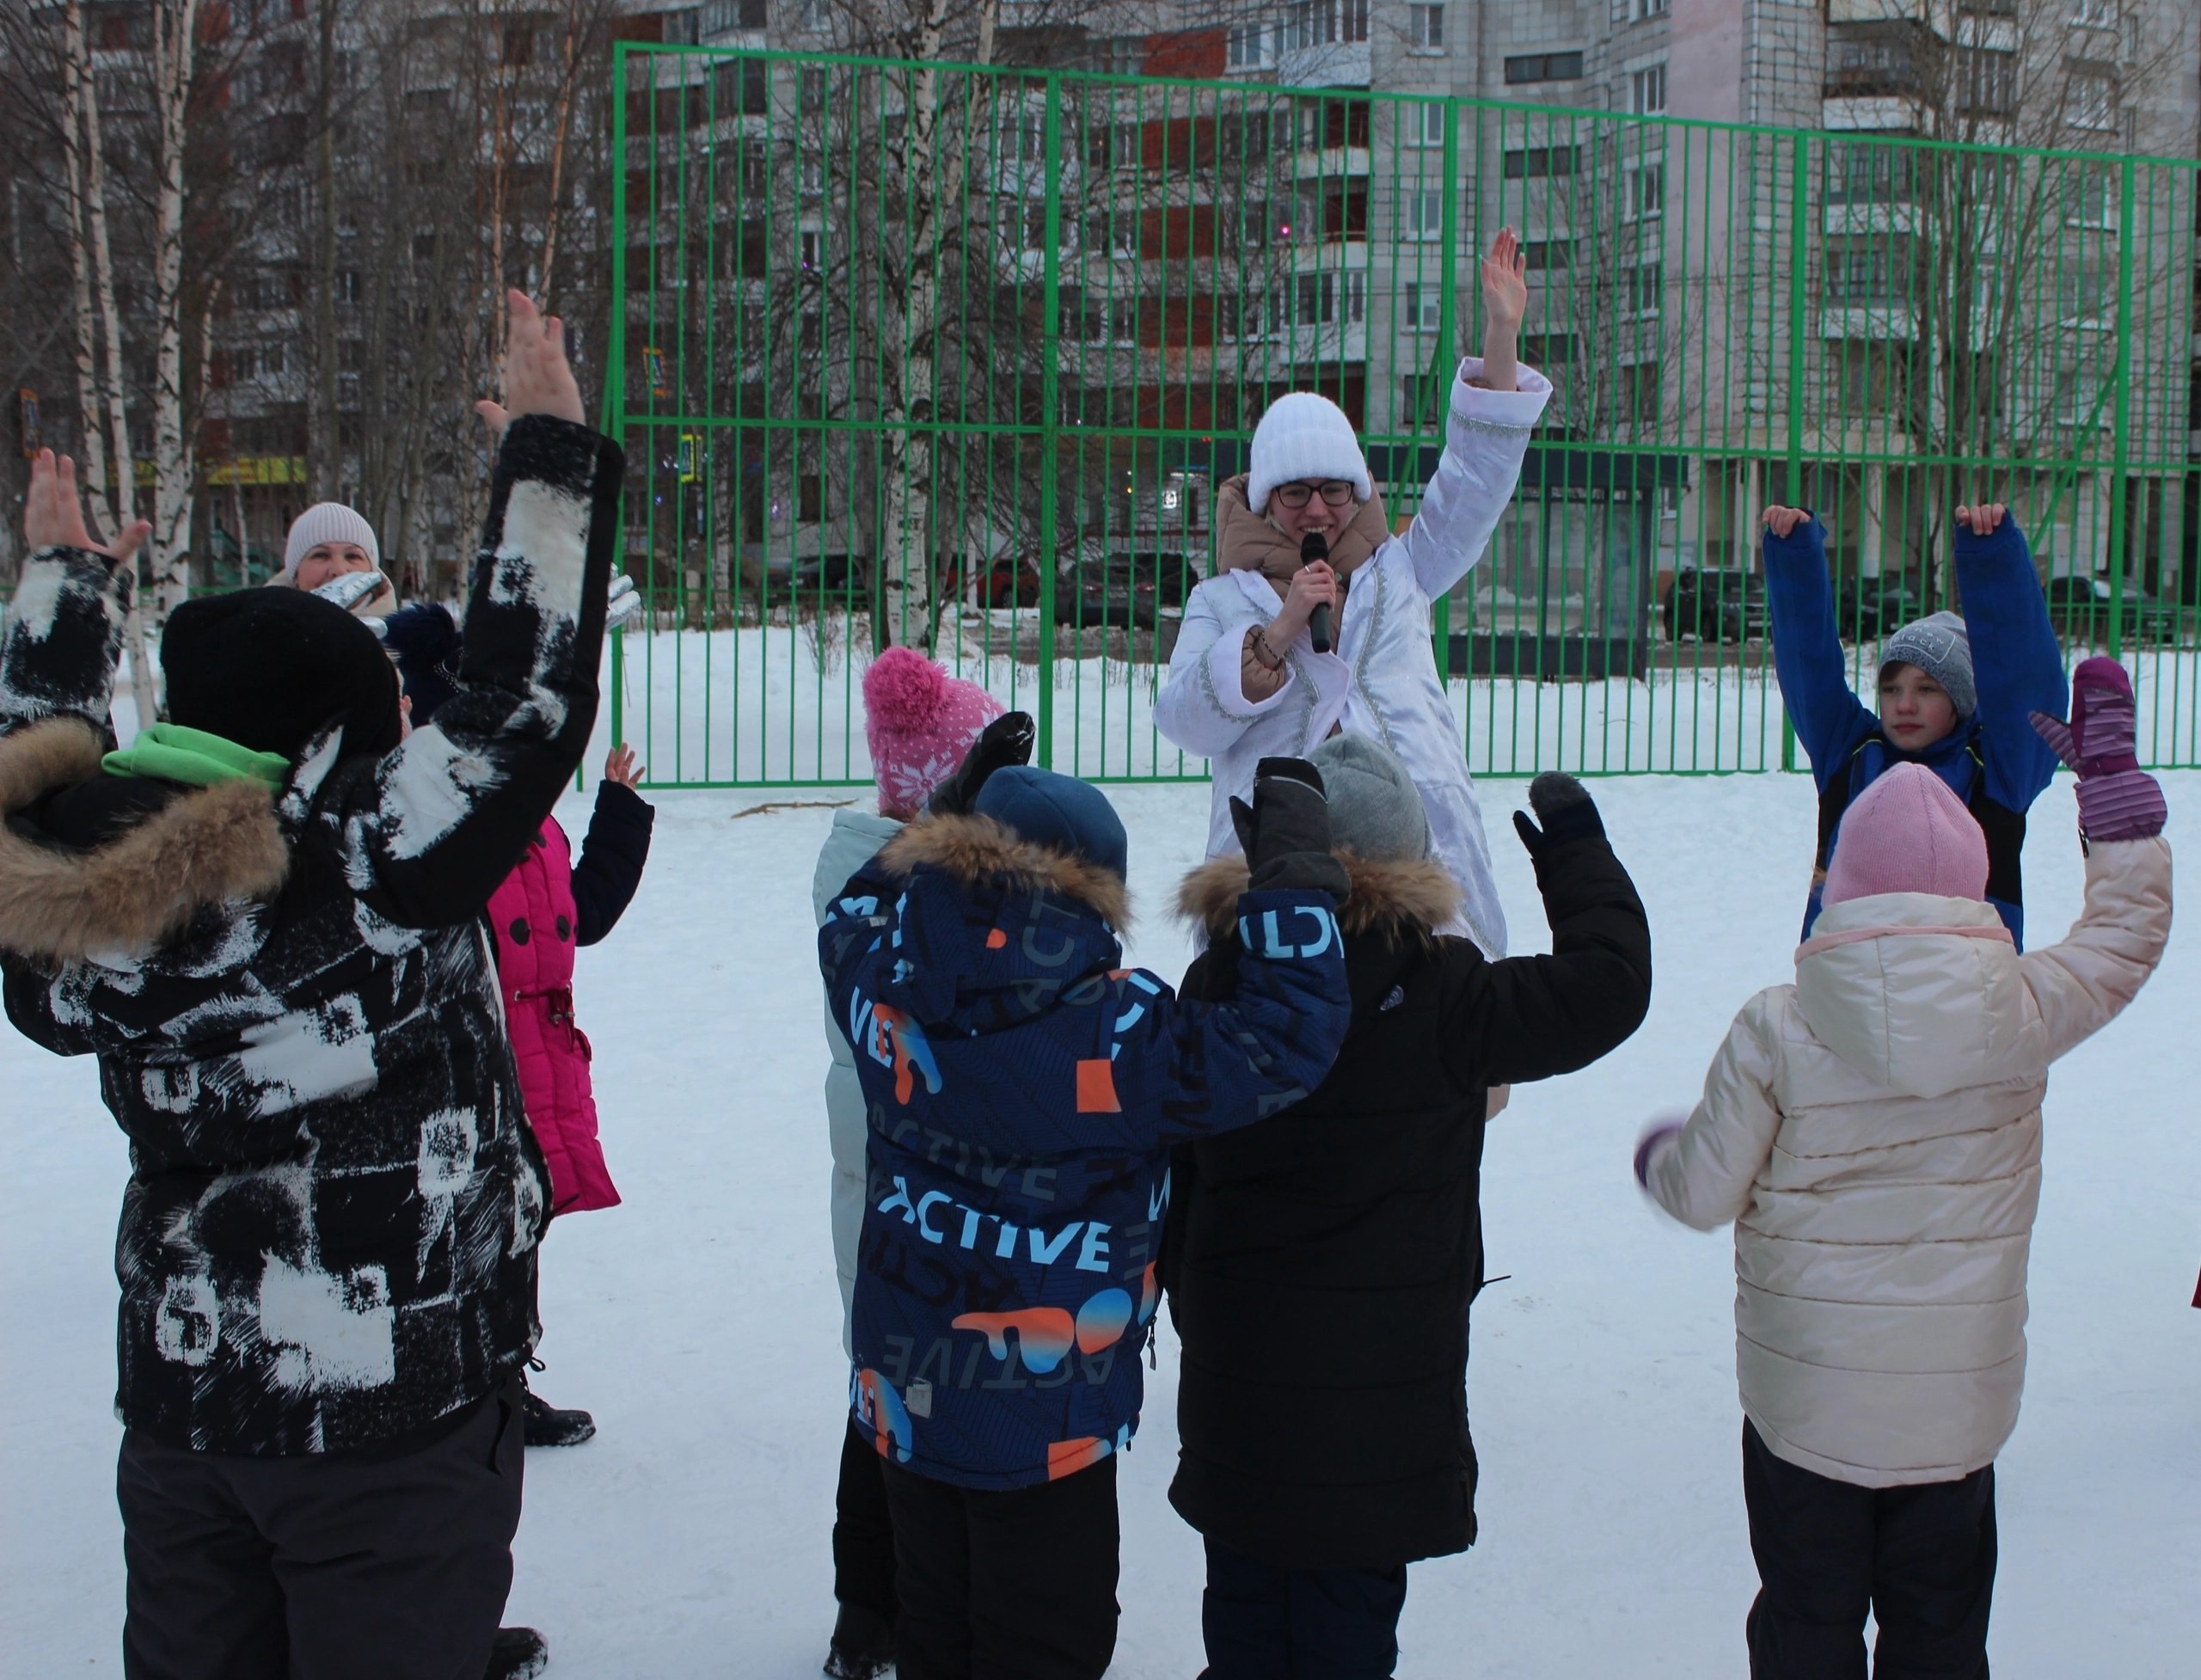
1982	520
54	514
1006	740
1784	522
2118	800
538	379
624	768
1565	810
1504	302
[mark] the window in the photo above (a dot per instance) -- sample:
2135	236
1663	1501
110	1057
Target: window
811	16
1638	11
1425	28
1319	22
1646	90
810	498
813	177
1543	67
1249	46
1423	125
1535	162
1990	86
1639	389
755	179
1547	350
810	333
813	250
1425	217
1256	221
1643	190
723	17
1546	256
2090	199
1111	235
2091	100
1646	287
1863	272
1422	307
2093	13
1242	317
1318	298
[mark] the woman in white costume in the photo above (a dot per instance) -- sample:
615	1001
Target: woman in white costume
1246	683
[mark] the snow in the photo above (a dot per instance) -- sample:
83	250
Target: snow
701	1322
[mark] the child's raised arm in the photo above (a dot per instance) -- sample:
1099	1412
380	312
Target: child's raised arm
611	868
1829	719
2017	666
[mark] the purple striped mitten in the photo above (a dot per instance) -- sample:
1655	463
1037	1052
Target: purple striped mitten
2118	800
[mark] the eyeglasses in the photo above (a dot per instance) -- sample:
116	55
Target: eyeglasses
1335	492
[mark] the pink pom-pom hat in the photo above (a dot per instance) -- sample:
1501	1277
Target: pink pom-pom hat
919	723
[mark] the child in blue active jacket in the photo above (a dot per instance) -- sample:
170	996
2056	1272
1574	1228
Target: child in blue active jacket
1023	1090
1956	695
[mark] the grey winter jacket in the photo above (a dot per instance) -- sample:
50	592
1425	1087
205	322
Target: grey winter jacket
856	837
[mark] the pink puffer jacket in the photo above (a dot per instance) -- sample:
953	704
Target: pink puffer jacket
539	919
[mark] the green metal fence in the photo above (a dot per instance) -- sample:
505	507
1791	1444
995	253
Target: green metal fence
935	353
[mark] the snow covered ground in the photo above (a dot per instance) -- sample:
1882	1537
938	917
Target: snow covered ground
701	1322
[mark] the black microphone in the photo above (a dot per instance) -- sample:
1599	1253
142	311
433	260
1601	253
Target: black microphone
1313	547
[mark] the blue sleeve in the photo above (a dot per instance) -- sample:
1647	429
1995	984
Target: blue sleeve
1829	719
1193	1068
2016	664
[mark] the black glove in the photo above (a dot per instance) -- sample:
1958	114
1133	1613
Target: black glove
1567	811
1006	740
1285	832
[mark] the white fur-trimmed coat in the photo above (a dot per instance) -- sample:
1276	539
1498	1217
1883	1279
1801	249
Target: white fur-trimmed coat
1381	679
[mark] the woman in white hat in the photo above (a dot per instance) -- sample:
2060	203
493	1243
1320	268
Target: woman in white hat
1246	682
332	544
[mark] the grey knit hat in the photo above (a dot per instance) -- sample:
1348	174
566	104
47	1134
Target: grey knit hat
1375	810
1941	646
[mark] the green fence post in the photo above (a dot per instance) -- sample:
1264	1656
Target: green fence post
1798	250
2120	455
615	357
1436	398
1050	398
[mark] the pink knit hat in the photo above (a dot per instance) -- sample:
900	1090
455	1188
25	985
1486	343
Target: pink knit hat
919	722
1908	833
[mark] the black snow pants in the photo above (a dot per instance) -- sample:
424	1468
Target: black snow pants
352	1566
1920	1559
1015	1586
863	1529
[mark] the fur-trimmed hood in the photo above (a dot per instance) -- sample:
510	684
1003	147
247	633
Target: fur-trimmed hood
1402	897
973	848
204	848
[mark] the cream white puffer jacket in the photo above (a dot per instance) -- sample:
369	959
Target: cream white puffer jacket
1874	1132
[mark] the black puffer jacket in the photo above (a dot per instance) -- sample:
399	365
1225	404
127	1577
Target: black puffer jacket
1319	1265
328	1241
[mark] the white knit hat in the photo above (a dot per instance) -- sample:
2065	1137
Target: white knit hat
327	522
1305	435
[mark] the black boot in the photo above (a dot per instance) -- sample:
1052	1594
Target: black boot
547	1427
519	1653
863	1645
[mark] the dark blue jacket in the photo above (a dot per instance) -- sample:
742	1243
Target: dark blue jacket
1993	761
1023	1089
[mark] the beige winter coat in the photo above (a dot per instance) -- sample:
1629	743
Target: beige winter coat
1874	1132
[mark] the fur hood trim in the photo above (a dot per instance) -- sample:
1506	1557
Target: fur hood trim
1407	896
975	847
205	848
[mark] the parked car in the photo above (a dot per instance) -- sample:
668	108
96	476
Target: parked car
1715	606
2082	609
1868	609
1006	581
1123	588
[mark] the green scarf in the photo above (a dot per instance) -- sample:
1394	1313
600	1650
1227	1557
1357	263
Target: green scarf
173	753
